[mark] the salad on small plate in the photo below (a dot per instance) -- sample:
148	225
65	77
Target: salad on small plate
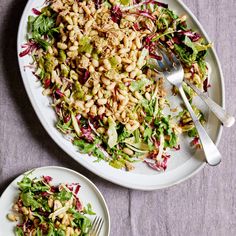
40	203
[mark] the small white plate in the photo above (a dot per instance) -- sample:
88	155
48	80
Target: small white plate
182	165
88	194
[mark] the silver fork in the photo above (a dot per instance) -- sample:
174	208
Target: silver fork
172	70
96	226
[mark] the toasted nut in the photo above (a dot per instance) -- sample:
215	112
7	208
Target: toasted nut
128	151
101	110
142	129
25	211
131	67
93	110
95	63
126	60
57	205
124	50
91	69
120	97
86	9
111	86
87	97
62	46
102	101
61	215
148	96
12	217
101	130
130	18
69	20
106	81
107	64
73	48
72	34
75	7
133	99
96	89
108	112
50	202
138	95
187	75
100	94
123	115
138	42
15	207
89	104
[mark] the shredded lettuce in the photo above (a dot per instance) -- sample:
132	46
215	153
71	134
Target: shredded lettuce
112	133
139	84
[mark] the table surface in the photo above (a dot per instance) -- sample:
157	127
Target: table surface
202	205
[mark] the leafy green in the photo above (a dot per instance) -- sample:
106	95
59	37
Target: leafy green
84	147
81	221
192	133
75	124
139	84
89	210
112	133
122	133
114	62
79	94
42	25
144	53
25	184
29	201
150	108
137	136
89	148
124	2
164	127
49	63
64	195
60	232
147	133
118	164
19	231
61	56
85	45
190	52
64	127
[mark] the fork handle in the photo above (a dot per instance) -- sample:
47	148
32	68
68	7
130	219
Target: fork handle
226	119
212	154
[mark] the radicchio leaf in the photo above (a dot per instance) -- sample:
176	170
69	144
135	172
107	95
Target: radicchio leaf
192	35
116	14
36	12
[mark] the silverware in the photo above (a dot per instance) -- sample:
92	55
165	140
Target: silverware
172	70
226	119
96	226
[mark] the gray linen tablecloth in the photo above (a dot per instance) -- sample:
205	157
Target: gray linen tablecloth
202	205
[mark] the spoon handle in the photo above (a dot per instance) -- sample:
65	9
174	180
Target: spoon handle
226	119
212	154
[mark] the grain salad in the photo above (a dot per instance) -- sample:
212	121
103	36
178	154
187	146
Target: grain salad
95	60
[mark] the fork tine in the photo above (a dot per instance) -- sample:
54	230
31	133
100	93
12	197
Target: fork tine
171	60
94	224
165	57
98	226
99	229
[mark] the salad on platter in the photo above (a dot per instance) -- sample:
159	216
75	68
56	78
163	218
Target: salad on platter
95	61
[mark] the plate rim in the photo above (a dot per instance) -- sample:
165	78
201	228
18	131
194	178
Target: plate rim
67	170
88	167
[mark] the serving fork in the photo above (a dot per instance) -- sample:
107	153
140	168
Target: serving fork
96	226
172	70
226	119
